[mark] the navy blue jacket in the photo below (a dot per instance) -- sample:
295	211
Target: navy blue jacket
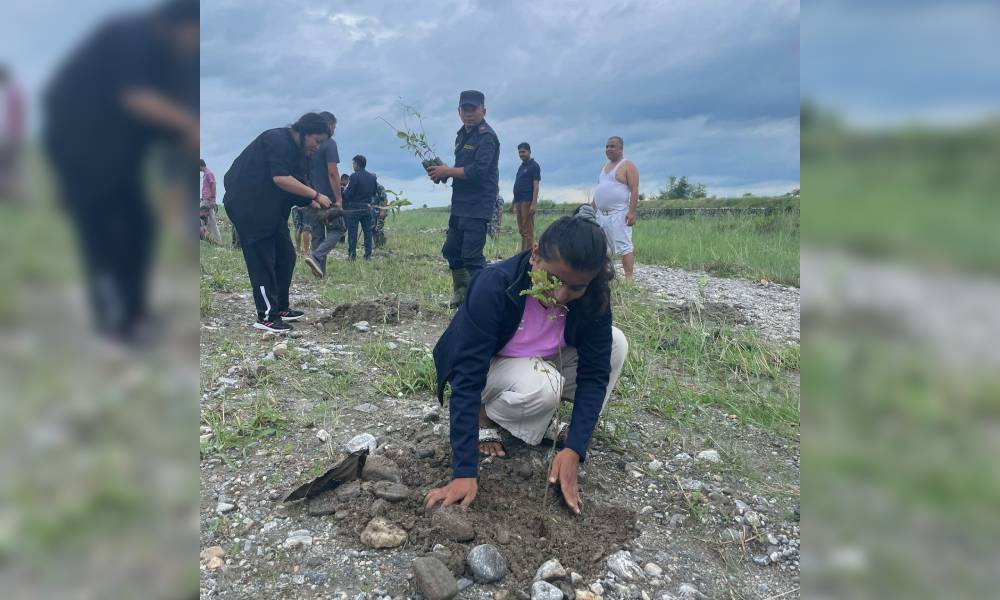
483	325
479	152
361	189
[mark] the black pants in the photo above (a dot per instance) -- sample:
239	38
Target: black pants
463	246
115	231
363	218
270	264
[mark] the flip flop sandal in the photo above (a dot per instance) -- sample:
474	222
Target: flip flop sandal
491	435
556	434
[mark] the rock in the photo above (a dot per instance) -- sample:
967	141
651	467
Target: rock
362	326
761	560
677	519
380	468
654	466
709	456
741	506
487	564
213	552
391	491
433	579
567	589
349	490
653	570
691	485
380	533
464	583
224	507
543	590
431	416
645	510
452	524
378	508
215	563
205	438
324	504
550	571
366	408
575	578
622	565
323	435
425	452
280	350
689	592
300	538
682	457
597	588
503	595
753	519
362	440
585	595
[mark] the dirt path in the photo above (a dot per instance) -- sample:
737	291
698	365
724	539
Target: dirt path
771	308
720	525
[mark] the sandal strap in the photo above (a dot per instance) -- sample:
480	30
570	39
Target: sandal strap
557	431
489	434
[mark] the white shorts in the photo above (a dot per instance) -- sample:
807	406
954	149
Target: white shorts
618	233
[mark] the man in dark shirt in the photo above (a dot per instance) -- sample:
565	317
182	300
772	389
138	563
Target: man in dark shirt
473	193
262	185
325	177
358	199
124	88
526	195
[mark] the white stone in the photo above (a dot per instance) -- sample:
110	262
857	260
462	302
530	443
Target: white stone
654	466
362	326
362	440
543	590
682	457
323	435
710	456
550	570
224	507
622	565
653	570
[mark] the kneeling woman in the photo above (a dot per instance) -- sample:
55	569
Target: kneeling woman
510	358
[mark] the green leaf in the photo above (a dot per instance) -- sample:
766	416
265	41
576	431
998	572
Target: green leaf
401	135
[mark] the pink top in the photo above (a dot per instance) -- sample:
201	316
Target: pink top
541	332
208	186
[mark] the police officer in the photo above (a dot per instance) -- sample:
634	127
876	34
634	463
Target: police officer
473	193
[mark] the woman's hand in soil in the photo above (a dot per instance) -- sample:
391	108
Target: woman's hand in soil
461	489
564	468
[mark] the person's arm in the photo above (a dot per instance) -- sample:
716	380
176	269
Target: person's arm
333	171
481	163
309	196
632	177
534	196
154	108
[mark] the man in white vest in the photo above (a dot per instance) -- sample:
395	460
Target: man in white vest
615	200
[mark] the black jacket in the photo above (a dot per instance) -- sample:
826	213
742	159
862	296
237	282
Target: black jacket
254	203
483	325
361	189
479	152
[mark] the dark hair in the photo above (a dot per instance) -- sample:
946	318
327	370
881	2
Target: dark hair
201	161
328	116
361	160
524	145
342	175
179	12
311	124
580	242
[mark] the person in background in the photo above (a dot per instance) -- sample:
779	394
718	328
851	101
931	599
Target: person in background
529	174
379	213
358	199
473	193
615	199
207	206
262	185
11	133
325	233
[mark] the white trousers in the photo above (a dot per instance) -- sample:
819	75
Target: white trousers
522	394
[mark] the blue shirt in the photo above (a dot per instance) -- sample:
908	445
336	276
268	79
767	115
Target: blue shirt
361	189
528	173
478	151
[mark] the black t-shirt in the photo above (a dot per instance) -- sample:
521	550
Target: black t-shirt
528	173
318	165
254	203
87	129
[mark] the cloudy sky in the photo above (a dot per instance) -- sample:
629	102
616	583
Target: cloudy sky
704	89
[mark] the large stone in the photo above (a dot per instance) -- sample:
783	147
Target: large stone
433	579
324	504
452	524
550	571
709	456
380	533
380	468
622	565
362	440
487	564
300	538
586	595
391	491
543	590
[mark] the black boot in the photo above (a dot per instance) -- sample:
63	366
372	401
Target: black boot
460	283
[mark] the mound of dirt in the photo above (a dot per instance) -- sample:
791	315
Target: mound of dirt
715	313
385	310
508	513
